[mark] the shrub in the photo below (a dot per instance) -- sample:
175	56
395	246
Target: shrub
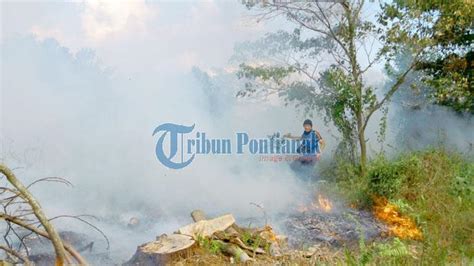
385	179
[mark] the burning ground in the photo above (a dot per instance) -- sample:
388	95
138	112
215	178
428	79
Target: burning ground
314	230
321	227
318	231
320	223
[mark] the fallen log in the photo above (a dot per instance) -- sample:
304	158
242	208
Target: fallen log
257	250
234	251
229	234
235	240
163	250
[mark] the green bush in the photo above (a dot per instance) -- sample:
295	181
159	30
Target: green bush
388	178
385	179
463	184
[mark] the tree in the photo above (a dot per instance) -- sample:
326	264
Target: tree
323	64
448	29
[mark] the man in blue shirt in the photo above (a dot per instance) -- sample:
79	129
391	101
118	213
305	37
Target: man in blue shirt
309	148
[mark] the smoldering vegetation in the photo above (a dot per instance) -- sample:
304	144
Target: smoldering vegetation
94	128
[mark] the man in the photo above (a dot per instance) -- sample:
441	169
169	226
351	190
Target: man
310	140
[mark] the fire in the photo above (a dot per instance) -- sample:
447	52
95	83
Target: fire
321	203
268	233
324	203
399	225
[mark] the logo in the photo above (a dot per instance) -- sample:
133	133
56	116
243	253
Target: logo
172	130
177	147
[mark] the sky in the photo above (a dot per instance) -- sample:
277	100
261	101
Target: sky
135	36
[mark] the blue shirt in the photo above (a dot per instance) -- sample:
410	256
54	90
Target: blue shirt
310	143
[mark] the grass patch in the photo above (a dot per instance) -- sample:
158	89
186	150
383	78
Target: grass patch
212	246
434	187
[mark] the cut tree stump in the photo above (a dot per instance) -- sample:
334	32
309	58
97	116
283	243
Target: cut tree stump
163	250
206	228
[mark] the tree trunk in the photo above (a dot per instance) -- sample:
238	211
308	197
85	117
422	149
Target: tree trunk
358	87
363	153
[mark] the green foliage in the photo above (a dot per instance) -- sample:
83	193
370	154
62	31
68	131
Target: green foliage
343	103
246	237
344	181
254	241
350	258
463	184
446	27
265	73
393	252
385	179
365	252
395	249
451	80
210	245
403	206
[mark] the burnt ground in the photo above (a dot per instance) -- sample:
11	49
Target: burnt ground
338	228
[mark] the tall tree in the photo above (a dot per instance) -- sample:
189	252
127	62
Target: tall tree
323	63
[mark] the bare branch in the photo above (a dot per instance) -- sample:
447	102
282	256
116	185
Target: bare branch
80	218
390	92
16	254
51	179
35	206
44	234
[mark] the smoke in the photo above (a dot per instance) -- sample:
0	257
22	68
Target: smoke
417	123
67	115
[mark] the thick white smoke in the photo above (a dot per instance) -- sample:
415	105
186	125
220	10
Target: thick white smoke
63	115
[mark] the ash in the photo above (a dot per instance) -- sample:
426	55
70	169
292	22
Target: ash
339	228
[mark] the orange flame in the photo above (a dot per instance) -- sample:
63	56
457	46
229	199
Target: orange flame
399	225
268	233
321	203
324	203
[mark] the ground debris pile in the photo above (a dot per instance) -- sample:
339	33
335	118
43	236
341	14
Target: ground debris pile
220	237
